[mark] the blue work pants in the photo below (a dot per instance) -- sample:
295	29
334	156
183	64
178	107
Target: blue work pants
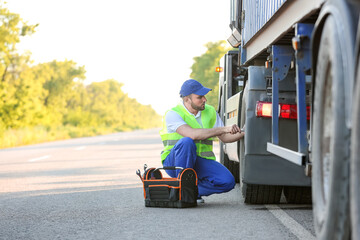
213	177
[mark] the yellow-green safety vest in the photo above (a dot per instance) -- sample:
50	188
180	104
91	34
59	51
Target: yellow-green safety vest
204	148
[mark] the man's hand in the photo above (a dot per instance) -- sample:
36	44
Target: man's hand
232	129
235	129
232	134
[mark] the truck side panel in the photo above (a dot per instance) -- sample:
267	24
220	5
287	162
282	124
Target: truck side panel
257	14
258	32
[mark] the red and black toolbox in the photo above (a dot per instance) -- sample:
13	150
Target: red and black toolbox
168	192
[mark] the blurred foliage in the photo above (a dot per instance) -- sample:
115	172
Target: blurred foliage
204	67
49	101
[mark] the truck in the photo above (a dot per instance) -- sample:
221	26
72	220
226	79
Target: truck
293	83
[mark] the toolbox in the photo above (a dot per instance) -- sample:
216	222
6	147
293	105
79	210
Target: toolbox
169	192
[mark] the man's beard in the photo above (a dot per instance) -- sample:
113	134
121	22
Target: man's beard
197	108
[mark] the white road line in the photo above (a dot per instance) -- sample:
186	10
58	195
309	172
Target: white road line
80	148
39	158
294	227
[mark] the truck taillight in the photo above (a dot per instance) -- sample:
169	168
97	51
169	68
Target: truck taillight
286	111
219	69
263	109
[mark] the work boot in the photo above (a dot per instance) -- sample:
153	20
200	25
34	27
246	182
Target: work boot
200	200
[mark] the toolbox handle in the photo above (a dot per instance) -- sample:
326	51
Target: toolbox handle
169	168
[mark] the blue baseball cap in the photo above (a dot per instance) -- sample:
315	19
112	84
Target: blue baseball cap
192	86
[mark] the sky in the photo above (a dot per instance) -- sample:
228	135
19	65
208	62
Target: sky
148	45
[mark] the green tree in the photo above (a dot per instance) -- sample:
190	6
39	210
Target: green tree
204	67
26	105
105	99
60	79
12	27
109	106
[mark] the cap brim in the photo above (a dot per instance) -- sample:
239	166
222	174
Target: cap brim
203	91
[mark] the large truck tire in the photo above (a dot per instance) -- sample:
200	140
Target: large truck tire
261	194
355	160
232	166
330	139
297	195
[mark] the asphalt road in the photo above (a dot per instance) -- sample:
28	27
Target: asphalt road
86	188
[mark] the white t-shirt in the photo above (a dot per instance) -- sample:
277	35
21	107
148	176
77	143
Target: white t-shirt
174	120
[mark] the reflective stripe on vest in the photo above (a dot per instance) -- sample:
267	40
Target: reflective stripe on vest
207	154
204	147
173	142
203	154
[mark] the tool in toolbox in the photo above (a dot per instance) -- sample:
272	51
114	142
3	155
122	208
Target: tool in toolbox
161	191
